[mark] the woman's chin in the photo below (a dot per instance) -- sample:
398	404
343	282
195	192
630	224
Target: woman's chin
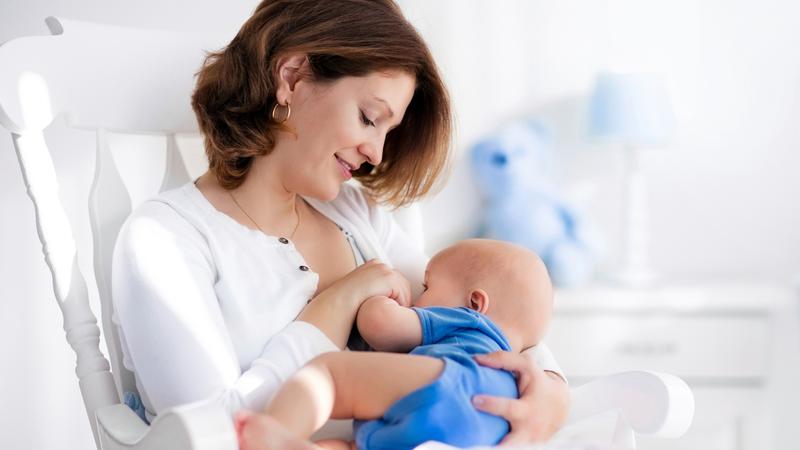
328	194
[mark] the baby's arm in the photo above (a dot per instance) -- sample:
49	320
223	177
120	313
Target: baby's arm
387	326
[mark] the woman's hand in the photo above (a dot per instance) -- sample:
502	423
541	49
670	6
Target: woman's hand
374	278
542	407
333	310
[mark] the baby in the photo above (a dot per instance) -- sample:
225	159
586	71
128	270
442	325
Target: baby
480	296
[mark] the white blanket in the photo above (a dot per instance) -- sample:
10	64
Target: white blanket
553	446
593	434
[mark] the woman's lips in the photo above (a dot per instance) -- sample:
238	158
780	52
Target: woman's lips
344	168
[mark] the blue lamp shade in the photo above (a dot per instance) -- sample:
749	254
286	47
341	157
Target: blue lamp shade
631	108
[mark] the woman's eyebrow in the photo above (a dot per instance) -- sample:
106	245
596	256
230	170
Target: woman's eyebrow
391	113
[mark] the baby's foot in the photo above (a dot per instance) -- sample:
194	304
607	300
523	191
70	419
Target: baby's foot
257	431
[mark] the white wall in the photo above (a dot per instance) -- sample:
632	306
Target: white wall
723	198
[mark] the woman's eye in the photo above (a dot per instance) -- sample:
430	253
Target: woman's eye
366	121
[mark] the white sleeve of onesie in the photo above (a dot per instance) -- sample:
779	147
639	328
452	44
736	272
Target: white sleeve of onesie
176	341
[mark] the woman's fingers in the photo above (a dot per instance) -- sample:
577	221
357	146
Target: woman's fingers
399	288
513	362
523	430
515	411
516	438
375	277
542	405
507	408
522	368
405	288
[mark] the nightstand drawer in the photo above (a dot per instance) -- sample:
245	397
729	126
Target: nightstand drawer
700	347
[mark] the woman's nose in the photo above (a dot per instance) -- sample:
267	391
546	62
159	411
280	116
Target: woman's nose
373	151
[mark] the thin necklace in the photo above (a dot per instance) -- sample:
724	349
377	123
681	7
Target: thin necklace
296	212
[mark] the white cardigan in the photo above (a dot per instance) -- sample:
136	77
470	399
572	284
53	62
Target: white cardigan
205	306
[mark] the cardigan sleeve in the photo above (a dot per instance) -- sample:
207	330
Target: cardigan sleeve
544	359
175	339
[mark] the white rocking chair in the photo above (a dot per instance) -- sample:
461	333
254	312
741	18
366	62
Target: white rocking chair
113	79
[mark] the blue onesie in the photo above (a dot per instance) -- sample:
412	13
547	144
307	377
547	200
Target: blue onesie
442	411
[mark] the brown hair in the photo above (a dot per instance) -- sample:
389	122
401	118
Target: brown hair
235	90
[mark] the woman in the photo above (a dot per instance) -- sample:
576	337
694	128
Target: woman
226	286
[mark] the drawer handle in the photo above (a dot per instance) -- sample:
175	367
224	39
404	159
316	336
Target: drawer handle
647	348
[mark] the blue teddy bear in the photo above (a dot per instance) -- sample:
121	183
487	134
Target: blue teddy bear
512	168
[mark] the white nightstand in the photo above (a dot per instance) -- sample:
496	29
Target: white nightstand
718	337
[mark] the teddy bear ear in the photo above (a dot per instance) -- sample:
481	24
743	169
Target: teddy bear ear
487	174
480	152
489	153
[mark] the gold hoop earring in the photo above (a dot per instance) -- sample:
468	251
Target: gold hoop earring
284	117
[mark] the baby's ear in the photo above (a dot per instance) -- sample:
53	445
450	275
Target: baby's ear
479	301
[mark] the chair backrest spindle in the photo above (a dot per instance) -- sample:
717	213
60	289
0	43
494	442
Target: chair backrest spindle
109	206
175	173
94	378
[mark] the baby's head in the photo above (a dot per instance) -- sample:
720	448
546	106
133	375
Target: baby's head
504	281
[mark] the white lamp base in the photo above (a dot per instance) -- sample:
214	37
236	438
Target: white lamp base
634	276
634	270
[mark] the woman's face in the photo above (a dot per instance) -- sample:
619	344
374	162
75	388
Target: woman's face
339	126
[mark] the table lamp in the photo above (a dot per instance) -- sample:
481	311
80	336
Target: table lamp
632	110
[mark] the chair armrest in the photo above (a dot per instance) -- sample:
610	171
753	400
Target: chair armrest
651	403
194	426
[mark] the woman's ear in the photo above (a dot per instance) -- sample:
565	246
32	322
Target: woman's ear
479	301
290	68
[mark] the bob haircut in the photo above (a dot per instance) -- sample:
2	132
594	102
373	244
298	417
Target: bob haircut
235	89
